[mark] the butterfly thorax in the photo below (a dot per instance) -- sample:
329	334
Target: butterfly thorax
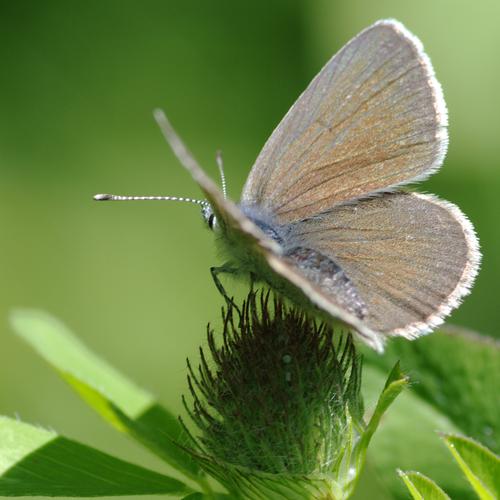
269	230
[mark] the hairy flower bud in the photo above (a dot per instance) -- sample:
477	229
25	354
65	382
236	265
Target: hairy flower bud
278	398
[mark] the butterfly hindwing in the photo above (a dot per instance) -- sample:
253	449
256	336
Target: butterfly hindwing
410	257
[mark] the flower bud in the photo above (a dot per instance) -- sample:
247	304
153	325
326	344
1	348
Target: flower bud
278	398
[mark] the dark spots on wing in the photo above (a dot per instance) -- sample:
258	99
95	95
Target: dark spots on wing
329	277
319	269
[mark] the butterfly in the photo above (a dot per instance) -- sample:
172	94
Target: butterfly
323	218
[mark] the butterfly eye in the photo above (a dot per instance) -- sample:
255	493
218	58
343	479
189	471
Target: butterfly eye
212	221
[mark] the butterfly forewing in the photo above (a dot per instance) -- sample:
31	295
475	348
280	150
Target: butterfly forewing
411	257
372	119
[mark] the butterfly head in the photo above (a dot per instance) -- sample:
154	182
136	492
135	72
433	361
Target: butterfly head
209	216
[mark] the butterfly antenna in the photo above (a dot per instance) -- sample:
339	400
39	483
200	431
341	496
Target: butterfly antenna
220	164
116	197
182	154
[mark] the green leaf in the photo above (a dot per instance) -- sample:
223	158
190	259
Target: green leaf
454	388
201	496
480	466
125	405
421	487
406	439
456	371
395	383
35	461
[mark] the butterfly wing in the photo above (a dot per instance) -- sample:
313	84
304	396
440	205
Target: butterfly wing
241	235
410	256
372	119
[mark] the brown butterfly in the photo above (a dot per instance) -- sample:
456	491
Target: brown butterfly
322	218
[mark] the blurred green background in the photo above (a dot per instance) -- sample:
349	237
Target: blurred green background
78	84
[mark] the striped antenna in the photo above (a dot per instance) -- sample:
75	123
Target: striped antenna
220	164
184	156
116	197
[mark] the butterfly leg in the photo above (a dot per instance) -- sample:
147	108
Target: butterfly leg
225	269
